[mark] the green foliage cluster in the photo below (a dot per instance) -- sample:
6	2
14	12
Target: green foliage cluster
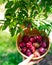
28	13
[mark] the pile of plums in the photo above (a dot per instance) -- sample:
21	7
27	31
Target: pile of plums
33	45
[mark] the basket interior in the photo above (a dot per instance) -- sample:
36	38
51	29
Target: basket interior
33	32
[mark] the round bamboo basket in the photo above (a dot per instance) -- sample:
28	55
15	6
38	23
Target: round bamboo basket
33	32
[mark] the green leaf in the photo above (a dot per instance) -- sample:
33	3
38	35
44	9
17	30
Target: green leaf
24	12
20	16
10	14
9	4
42	27
16	5
12	31
23	4
20	21
10	10
34	10
34	25
31	0
46	27
6	24
19	30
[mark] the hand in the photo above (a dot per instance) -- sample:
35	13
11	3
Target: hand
29	62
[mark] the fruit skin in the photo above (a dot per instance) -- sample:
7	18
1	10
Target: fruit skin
36	54
35	37
32	39
23	50
42	50
29	44
33	45
39	38
22	44
44	44
28	52
36	45
25	38
32	48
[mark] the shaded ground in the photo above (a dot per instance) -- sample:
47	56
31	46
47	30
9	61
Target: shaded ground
47	60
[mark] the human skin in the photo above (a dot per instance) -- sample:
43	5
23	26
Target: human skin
28	61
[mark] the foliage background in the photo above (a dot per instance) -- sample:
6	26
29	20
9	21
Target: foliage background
8	52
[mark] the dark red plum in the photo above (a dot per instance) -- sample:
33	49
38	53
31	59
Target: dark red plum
28	52
44	44
35	38
42	50
23	50
32	39
32	49
29	44
25	38
39	38
22	44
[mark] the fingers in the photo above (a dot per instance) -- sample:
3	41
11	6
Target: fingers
31	63
30	58
34	62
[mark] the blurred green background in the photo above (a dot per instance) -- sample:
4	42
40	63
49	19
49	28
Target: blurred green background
8	51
